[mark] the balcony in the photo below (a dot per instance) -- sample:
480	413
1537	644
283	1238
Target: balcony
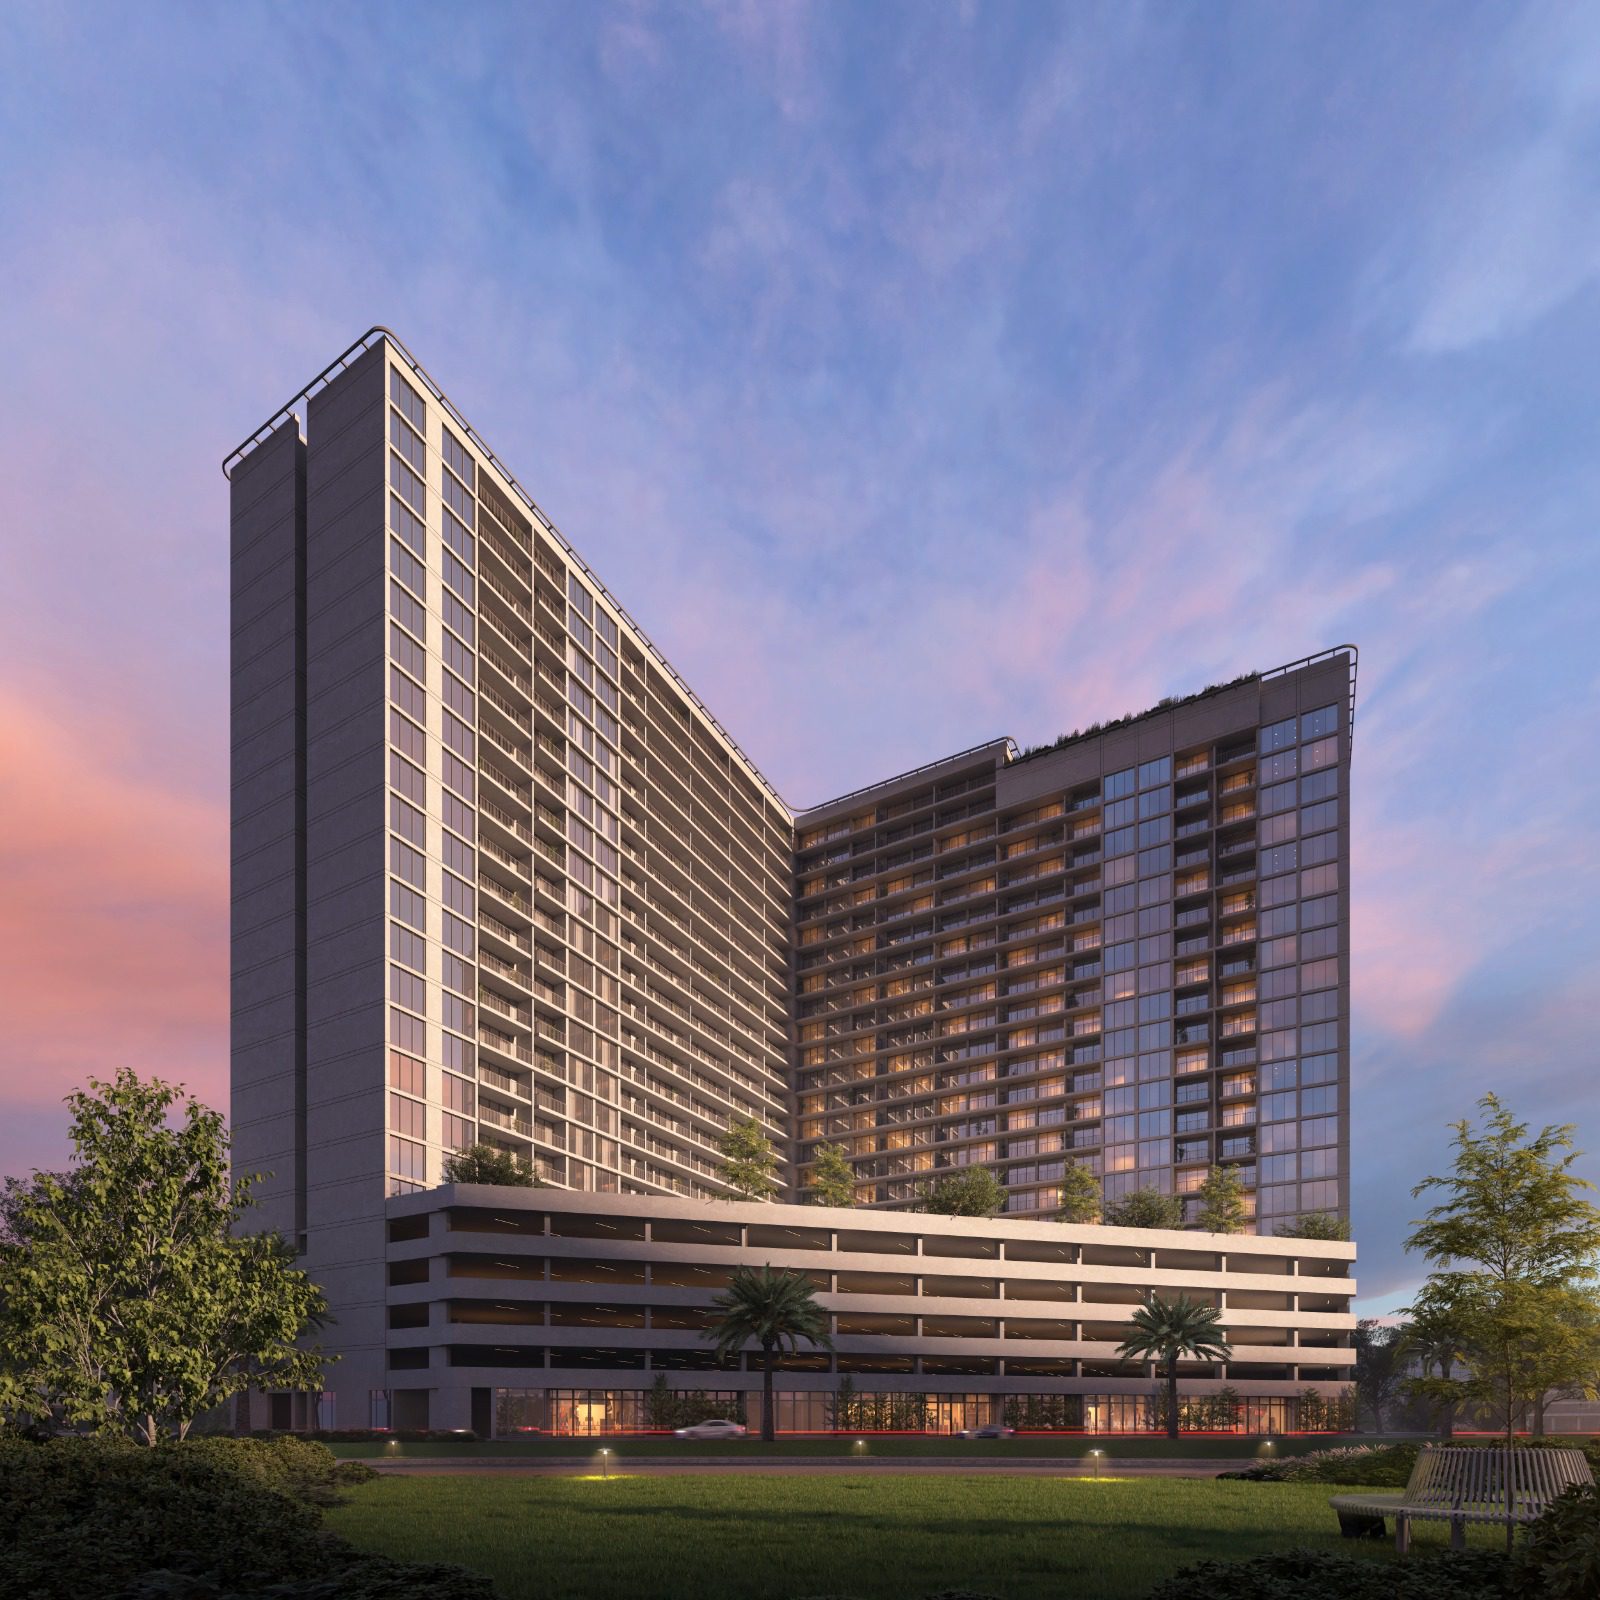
501	1082
508	970
507	598
492	1039
489	1000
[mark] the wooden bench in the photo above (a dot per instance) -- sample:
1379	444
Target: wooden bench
1459	1484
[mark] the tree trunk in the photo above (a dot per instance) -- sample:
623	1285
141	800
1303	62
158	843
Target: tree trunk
1172	1396
1538	1414
768	1430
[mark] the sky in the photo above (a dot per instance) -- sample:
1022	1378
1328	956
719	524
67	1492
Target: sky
916	374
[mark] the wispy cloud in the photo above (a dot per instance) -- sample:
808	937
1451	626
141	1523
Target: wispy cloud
113	923
914	378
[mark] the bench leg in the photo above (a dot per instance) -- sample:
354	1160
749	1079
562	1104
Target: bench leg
1402	1532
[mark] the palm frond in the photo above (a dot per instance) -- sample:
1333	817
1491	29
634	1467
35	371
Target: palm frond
774	1310
1176	1329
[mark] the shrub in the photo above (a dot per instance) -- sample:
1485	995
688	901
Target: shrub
86	1518
369	1578
1559	1556
1374	1466
211	1519
291	1465
1322	1575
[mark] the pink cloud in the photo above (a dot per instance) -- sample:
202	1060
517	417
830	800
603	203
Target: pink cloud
114	921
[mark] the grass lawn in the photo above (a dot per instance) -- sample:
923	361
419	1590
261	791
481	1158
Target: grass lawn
892	1538
1070	1446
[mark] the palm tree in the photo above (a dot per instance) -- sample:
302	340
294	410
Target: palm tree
1169	1330
775	1310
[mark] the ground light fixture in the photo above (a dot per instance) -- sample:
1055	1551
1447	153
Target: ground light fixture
1098	1458
861	1447
605	1461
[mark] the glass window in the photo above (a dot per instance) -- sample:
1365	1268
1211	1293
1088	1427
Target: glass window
407	400
1116	815
1274	769
409	443
405	608
1154	801
1274	830
406	1072
1118	784
406	946
1319	786
404	522
457	458
1281	858
406	568
1157	771
1324	753
1323	815
1319	1069
404	481
1319	1101
458	538
457	576
1277	736
1156	831
1276	891
1320	1007
1314	913
1324	847
1314	724
1279	797
1275	985
1319	880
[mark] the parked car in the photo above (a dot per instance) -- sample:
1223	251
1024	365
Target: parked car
714	1428
989	1430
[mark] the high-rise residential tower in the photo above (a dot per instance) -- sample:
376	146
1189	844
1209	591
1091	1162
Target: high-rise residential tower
499	876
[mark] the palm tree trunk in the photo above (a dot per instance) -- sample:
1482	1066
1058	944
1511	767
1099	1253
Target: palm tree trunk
1172	1395
768	1430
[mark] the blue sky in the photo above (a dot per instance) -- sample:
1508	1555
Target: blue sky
916	374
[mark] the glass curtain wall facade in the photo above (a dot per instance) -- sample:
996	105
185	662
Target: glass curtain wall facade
1128	952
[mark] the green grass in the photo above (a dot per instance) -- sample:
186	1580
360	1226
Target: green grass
889	1538
1069	1446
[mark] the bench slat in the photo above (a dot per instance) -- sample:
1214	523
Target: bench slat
1460	1484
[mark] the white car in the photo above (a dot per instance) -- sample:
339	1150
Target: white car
715	1428
989	1430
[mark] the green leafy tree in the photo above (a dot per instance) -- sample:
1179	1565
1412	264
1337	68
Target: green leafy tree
1381	1357
1315	1225
971	1192
1145	1208
1170	1331
749	1163
1514	1244
130	1299
1080	1195
1222	1207
774	1310
487	1163
833	1180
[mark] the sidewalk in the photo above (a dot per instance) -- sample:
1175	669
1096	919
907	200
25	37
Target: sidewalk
622	1465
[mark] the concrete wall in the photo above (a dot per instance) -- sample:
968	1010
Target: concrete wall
267	777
